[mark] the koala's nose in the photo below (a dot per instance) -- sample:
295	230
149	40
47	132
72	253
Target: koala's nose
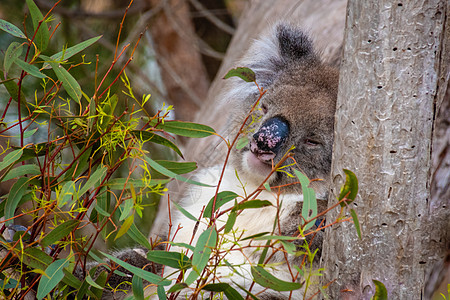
272	134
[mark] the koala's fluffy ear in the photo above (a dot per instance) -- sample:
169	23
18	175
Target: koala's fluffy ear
272	53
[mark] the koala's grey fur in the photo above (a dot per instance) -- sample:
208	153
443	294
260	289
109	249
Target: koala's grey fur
301	95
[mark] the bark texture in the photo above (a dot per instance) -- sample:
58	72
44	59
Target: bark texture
394	75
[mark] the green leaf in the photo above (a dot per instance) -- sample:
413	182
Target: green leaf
69	83
230	222
53	275
185	212
61	231
93	180
35	258
11	29
107	108
203	249
127	206
137	287
252	204
150	277
356	222
42	36
380	291
154	138
30	69
244	73
100	281
138	237
242	142
12	53
93	283
177	287
13	91
225	288
119	183
11	158
350	187
222	198
66	194
30	170
161	292
175	260
183	245
177	167
15	195
69	52
265	279
187	129
125	227
309	208
289	247
157	167
71	280
278	237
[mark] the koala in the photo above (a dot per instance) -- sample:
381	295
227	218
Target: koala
295	115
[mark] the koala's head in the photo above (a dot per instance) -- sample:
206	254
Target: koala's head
296	110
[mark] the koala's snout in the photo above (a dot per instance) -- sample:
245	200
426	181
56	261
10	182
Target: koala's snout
270	137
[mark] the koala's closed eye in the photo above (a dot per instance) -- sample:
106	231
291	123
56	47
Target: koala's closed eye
264	108
312	142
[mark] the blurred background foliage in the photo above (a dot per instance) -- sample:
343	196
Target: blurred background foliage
182	44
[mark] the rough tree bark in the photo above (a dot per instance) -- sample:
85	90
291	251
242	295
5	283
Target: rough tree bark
394	76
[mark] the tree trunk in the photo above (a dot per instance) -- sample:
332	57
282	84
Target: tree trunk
182	70
393	78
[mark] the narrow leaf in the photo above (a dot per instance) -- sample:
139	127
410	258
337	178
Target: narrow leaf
278	237
93	283
30	69
203	249
187	129
150	277
244	73
30	170
66	194
222	198
61	231
242	142
356	222
175	260
252	204
185	212
42	36
154	165
177	287
380	291
125	227
12	53
225	288
69	52
230	222
154	138
10	158
350	187
35	258
15	195
161	292
178	167
94	179
54	274
309	208
265	279
11	29
137	288
69	83
138	237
